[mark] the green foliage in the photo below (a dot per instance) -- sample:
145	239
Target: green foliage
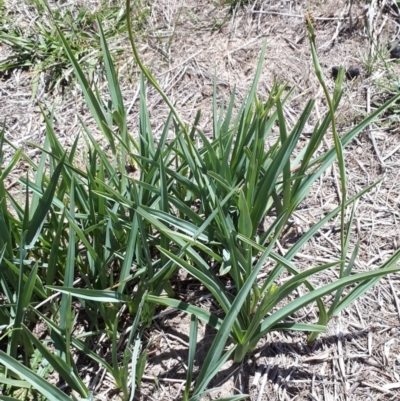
89	239
37	47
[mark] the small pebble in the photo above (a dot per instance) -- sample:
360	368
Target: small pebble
352	72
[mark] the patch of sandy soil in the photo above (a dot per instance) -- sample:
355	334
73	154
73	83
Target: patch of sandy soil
185	44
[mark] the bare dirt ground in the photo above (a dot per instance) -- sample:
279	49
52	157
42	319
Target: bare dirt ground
186	43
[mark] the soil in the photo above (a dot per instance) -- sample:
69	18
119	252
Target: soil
187	43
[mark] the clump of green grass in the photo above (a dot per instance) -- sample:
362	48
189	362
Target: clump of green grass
113	242
37	47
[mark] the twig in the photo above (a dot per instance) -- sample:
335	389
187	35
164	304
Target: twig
12	184
250	42
350	17
396	299
183	62
336	34
133	100
391	153
342	368
172	348
359	315
297	15
161	379
263	382
383	390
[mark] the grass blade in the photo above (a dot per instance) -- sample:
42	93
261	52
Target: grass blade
51	392
192	351
65	371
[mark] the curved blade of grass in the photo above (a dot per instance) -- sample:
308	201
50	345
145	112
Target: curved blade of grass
300	243
81	235
239	144
196	244
5	233
195	162
129	253
181	224
65	371
211	154
134	334
4	281
40	175
286	193
346	273
192	352
215	352
275	169
184	181
329	157
220	180
51	392
93	295
14	160
135	357
200	313
245	225
299	303
314	328
281	294
65	308
55	247
91	100
14	383
211	372
362	288
39	217
283	262
148	74
77	344
32	186
214	286
112	78
38	289
200	230
238	271
23	296
182	207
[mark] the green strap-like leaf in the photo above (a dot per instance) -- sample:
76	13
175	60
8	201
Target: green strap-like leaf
93	295
48	390
39	217
299	303
66	372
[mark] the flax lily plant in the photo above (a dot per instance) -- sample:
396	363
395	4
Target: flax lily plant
113	242
239	179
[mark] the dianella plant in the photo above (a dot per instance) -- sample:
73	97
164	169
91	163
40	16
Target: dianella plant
95	238
238	177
